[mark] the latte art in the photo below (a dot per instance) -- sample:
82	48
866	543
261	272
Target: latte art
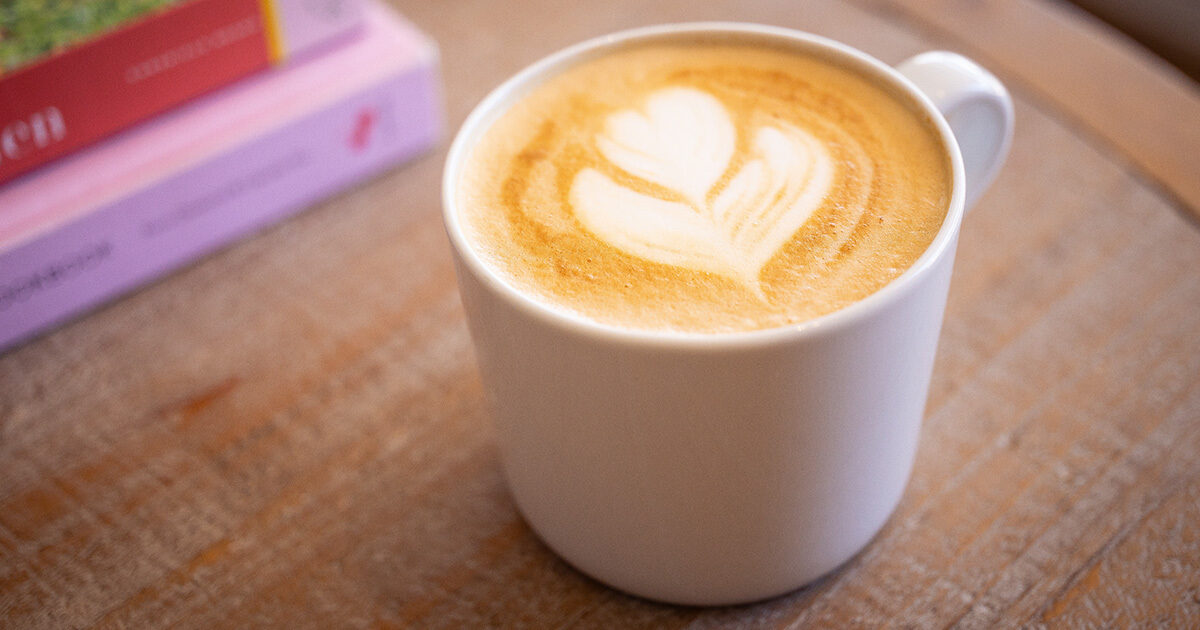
684	143
704	188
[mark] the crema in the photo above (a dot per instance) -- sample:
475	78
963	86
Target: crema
704	187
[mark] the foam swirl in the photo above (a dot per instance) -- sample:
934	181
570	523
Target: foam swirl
684	143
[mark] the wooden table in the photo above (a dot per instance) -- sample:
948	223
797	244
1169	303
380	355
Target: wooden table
291	432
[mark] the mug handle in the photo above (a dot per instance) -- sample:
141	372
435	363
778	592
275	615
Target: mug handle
977	107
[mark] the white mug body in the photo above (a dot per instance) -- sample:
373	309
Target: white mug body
706	468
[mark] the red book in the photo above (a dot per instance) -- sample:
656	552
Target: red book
88	90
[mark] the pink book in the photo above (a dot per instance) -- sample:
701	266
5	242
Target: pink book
118	214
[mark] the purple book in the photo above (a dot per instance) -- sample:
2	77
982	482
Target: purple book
124	212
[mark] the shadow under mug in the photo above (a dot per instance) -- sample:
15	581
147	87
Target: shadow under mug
724	468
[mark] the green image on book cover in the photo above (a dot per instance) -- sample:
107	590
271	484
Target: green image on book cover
33	29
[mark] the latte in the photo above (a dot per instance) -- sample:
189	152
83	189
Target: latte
704	187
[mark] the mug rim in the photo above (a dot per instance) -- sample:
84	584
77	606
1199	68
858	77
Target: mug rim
501	97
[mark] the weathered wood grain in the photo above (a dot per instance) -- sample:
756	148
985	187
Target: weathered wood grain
292	433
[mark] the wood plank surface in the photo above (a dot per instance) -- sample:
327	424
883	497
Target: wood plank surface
292	433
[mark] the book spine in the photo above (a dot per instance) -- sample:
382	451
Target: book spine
169	223
76	97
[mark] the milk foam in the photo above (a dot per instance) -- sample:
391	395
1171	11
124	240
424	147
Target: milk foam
684	142
704	187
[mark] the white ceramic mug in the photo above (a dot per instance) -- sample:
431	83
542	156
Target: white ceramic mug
722	468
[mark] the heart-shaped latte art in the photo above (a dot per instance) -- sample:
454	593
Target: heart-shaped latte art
684	140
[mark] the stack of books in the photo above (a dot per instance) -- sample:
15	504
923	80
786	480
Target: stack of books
133	143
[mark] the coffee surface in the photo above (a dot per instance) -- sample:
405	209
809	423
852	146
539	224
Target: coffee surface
704	187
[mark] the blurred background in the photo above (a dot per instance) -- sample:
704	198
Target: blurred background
1170	28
